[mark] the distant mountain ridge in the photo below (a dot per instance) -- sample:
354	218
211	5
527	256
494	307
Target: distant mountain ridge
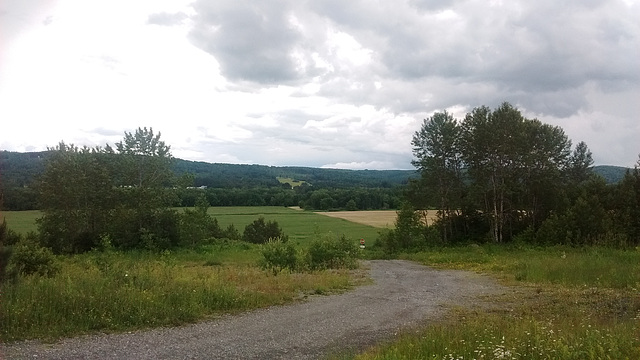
19	170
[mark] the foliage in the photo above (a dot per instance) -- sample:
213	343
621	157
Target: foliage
28	258
437	147
89	193
5	251
261	231
279	255
409	234
148	289
332	252
518	176
226	184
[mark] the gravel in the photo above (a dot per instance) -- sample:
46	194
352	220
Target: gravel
403	295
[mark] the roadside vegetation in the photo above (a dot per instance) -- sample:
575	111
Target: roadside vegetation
561	302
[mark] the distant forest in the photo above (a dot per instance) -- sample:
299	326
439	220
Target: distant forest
234	184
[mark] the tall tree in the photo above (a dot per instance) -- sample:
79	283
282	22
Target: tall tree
491	143
580	165
144	179
75	195
436	147
545	153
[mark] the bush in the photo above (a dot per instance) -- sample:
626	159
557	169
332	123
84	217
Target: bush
332	252
259	232
279	255
28	258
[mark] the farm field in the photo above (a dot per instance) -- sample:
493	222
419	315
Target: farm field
375	218
300	226
21	221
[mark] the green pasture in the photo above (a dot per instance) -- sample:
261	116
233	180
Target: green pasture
300	226
290	181
21	221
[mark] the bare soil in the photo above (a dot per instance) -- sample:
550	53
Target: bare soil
403	295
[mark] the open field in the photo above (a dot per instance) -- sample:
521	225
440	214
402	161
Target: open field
21	221
375	218
300	226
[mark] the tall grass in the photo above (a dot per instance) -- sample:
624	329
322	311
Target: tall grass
569	304
115	292
561	265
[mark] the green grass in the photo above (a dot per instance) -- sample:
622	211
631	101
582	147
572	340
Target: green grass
290	181
562	303
112	292
21	221
300	226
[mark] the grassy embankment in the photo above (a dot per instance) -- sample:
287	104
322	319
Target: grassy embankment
560	303
114	291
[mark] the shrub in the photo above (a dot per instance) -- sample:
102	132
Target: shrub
259	231
332	252
278	255
28	258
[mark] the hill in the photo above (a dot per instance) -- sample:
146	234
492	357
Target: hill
612	174
20	169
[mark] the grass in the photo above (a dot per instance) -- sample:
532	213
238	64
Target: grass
21	221
300	226
290	181
113	292
561	303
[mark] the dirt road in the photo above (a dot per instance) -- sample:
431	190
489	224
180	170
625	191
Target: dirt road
403	294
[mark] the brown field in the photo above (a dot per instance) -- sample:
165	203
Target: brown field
375	218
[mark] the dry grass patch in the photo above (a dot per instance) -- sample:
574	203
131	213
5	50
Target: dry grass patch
376	218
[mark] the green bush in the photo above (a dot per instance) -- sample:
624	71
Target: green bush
332	252
259	231
28	258
279	255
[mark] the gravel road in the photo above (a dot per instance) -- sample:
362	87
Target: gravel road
403	294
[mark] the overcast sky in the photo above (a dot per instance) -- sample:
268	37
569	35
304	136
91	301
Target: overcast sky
323	83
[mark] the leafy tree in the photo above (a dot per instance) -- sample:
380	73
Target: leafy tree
260	231
580	164
545	152
76	193
491	142
437	148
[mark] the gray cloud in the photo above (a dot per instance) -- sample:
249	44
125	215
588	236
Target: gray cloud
251	40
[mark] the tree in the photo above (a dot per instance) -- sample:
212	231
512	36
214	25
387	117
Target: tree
491	140
260	232
76	193
436	147
580	164
545	154
144	178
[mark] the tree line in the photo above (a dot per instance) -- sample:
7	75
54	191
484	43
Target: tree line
231	184
496	176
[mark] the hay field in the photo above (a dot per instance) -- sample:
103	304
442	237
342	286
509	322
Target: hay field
375	218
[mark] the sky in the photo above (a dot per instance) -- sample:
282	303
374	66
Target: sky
323	83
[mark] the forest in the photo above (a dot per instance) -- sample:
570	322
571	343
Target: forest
232	184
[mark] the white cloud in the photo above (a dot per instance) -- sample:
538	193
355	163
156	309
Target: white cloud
326	83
